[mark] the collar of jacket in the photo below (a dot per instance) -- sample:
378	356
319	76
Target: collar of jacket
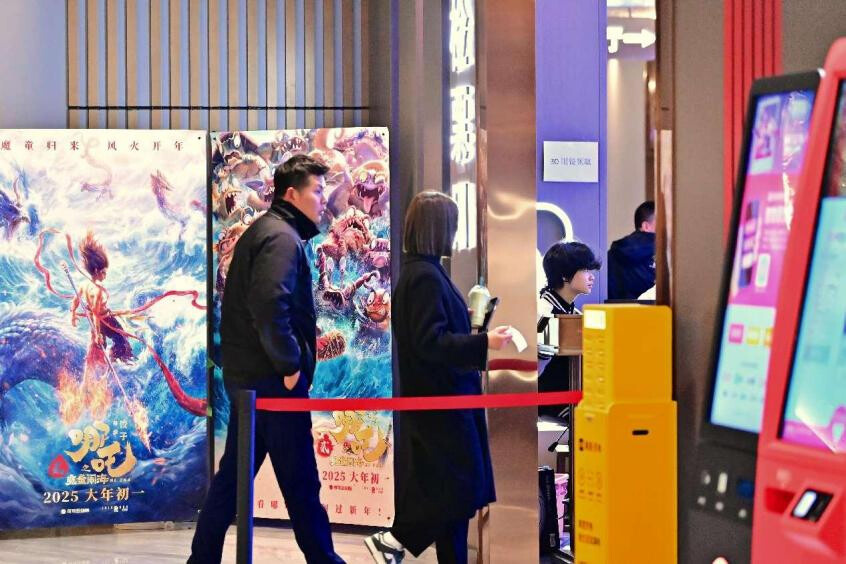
305	227
559	304
409	257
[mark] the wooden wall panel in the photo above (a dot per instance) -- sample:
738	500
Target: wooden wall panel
116	48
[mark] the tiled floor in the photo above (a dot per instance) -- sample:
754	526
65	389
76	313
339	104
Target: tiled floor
163	547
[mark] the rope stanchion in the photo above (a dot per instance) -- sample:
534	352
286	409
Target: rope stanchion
248	404
246	447
420	403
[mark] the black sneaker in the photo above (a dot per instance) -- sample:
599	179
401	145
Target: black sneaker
382	552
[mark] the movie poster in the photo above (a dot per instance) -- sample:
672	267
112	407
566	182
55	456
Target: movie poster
103	327
350	262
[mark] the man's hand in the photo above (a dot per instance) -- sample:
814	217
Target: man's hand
291	381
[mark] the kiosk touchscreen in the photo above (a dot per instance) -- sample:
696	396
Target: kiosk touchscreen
778	121
800	511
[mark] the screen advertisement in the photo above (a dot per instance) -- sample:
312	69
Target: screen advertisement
774	163
815	410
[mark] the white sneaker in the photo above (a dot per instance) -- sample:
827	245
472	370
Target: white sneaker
381	551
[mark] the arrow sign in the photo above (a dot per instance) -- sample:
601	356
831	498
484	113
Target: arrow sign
645	38
634	35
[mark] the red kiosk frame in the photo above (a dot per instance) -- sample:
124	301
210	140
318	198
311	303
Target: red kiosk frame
795	520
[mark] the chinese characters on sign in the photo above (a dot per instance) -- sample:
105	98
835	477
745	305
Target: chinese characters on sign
571	161
103	326
92	440
111	144
94	451
462	138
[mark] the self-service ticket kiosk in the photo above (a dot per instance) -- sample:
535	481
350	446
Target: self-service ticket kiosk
800	510
774	148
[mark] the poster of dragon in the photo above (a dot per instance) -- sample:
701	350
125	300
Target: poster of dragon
350	262
103	326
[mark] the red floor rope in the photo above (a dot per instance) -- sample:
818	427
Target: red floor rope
426	403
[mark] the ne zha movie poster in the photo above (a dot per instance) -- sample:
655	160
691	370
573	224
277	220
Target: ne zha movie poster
103	339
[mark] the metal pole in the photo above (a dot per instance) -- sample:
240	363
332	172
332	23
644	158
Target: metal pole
246	448
575	384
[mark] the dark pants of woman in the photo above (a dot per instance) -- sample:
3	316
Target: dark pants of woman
450	539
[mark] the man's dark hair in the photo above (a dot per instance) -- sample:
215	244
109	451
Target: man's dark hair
563	260
644	212
295	173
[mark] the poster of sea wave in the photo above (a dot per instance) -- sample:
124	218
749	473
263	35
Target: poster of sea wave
350	262
103	326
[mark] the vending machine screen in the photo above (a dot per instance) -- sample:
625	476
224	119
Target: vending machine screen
815	410
774	162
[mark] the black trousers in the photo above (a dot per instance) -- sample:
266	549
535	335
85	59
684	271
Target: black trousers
450	539
287	438
554	378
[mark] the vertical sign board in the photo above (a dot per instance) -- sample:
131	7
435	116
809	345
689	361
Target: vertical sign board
350	262
103	339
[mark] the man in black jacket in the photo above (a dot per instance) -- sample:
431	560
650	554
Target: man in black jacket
631	260
268	333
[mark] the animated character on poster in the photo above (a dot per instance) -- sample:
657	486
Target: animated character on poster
108	341
350	263
352	260
102	323
12	213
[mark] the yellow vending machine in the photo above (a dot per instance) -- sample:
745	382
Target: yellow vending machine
625	438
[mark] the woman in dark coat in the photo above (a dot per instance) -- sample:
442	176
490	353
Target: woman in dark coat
443	461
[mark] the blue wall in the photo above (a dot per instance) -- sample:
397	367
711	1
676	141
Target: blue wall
571	58
33	66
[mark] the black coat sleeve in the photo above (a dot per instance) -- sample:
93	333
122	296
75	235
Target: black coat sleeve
430	328
616	282
273	279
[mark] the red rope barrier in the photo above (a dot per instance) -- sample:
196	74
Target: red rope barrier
515	364
426	403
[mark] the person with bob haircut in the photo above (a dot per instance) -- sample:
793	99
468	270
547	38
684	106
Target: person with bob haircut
569	268
443	462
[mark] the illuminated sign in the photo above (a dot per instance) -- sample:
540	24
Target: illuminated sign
462	108
631	38
462	139
462	36
464	194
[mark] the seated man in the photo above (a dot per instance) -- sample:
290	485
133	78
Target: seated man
631	260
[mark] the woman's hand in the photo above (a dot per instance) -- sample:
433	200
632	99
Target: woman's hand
499	337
